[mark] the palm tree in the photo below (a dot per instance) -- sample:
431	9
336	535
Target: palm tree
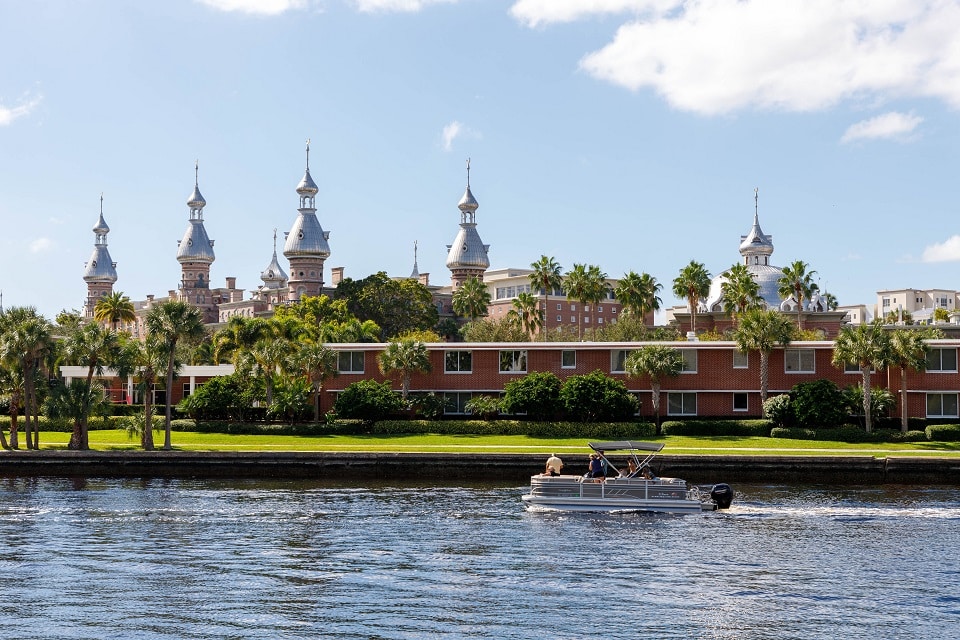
95	347
405	357
867	345
471	299
638	293
576	285
318	363
114	307
238	335
908	350
797	283
172	322
525	313
740	290
692	285
830	301
658	362
762	330
26	342
143	358
545	278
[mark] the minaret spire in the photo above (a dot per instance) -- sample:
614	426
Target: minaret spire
415	275
308	154
756	205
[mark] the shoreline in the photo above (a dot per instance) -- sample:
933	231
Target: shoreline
698	469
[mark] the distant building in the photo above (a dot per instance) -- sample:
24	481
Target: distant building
100	271
919	303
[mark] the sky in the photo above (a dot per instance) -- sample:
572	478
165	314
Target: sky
630	134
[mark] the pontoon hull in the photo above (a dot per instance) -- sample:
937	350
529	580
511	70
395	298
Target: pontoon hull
573	493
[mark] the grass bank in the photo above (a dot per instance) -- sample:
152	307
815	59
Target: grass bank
115	440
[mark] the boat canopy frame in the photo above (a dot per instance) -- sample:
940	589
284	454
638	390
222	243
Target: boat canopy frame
651	449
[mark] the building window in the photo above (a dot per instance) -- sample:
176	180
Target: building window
613	310
689	360
942	405
559	318
573	307
740	402
741	360
573	319
559	306
455	402
568	359
618	359
186	390
586	320
853	367
681	404
798	361
586	308
513	361
599	309
942	360
599	320
350	362
885	302
458	362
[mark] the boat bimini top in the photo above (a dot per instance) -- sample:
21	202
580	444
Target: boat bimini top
652	448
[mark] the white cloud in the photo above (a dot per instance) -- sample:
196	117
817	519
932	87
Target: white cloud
719	56
454	130
888	125
9	114
408	6
946	251
41	245
533	13
259	7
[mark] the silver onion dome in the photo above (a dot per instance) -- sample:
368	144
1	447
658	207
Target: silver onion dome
101	228
196	201
195	246
468	250
307	186
306	237
100	267
274	273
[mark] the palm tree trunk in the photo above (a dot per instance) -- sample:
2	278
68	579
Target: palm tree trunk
3	439
903	399
546	303
868	423
316	404
14	414
764	380
655	400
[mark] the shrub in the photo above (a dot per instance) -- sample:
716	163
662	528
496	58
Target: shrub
895	435
429	405
818	403
943	432
368	400
484	407
849	433
881	401
220	398
595	397
535	394
779	410
794	433
716	427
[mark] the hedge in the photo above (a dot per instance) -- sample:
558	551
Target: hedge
588	430
943	432
848	433
716	427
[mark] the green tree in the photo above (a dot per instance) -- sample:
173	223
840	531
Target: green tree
692	285
596	397
536	394
395	306
908	350
26	344
585	284
525	314
114	308
867	345
657	362
545	278
761	330
881	401
143	359
368	400
170	323
493	330
941	315
740	291
830	301
797	282
818	403
471	299
239	335
317	363
94	347
898	316
405	357
638	293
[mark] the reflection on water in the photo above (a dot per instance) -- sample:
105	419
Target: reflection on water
216	559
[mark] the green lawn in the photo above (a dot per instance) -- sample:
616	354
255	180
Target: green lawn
719	445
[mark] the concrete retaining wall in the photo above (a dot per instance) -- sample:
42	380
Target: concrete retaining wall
470	467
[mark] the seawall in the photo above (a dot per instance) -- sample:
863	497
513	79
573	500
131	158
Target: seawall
472	467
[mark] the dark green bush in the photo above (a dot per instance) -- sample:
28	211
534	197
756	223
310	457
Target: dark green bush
849	433
943	432
429	405
717	427
818	403
587	431
895	435
596	397
779	410
368	400
794	433
536	394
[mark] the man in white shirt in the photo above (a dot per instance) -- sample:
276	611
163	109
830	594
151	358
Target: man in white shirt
554	464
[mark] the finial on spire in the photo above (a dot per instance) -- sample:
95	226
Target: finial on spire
196	172
101	203
308	154
468	172
756	203
274	241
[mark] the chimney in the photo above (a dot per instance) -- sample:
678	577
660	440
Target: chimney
425	279
231	282
336	275
172	294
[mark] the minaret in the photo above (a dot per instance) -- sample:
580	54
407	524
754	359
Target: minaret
467	256
415	274
306	245
195	255
756	247
274	278
101	270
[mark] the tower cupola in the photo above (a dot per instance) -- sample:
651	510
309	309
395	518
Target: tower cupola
467	257
306	244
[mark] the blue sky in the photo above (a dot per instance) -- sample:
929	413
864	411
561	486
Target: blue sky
625	133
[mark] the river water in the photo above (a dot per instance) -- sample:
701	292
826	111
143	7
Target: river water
171	559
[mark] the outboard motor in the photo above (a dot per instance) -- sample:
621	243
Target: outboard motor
722	494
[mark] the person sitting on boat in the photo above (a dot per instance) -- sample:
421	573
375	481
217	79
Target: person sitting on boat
596	468
647	474
554	465
631	469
